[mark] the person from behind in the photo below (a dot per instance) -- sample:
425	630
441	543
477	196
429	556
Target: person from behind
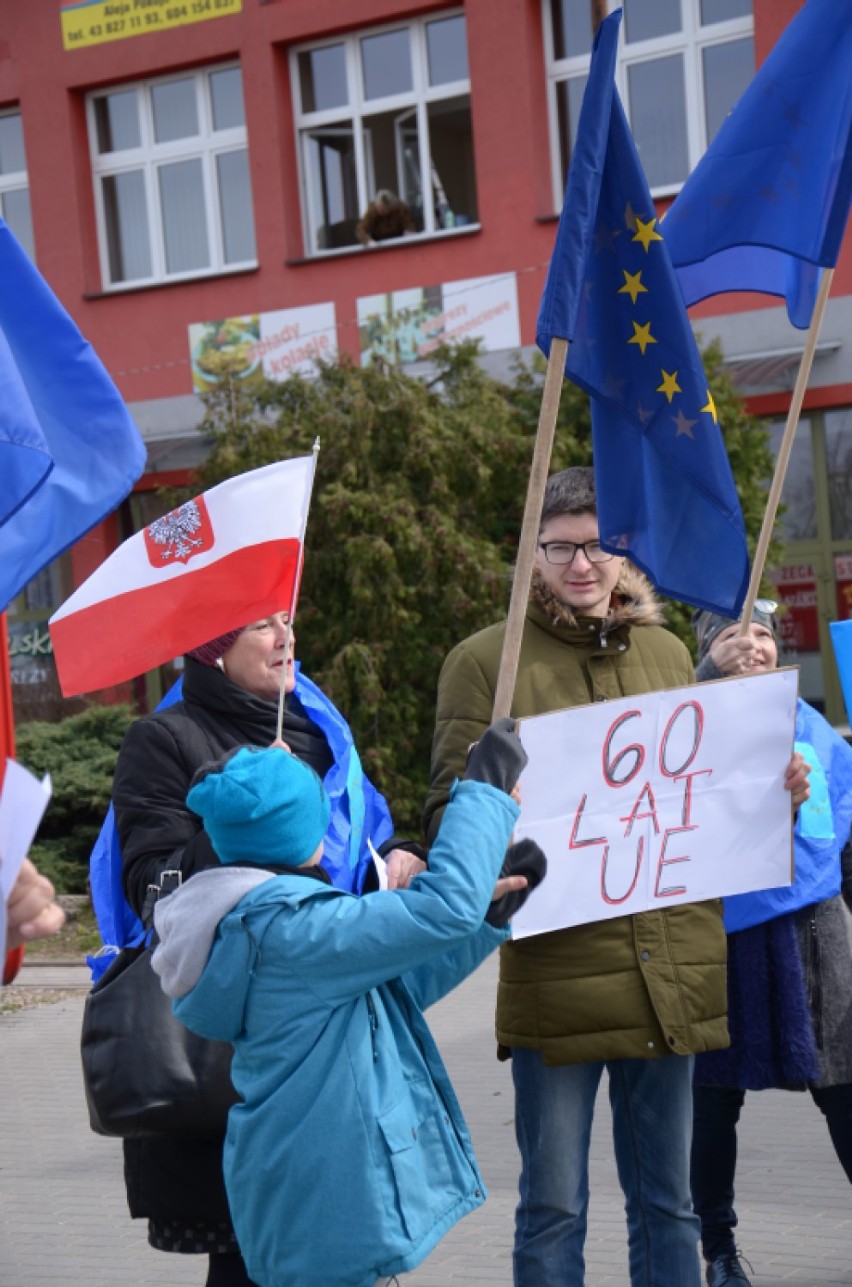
789	962
348	1157
386	216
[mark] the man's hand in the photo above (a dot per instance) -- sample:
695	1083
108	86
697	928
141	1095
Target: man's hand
796	780
402	868
32	911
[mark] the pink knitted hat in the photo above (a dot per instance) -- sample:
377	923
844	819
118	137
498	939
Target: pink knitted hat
209	653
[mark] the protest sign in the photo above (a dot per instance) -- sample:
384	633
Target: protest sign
23	800
670	797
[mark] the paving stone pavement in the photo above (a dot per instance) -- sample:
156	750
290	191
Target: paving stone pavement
64	1223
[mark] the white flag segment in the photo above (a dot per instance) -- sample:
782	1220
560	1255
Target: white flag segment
218	562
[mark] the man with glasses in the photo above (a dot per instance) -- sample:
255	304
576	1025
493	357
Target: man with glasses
637	995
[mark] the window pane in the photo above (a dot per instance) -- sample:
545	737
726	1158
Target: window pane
728	69
16	212
235	206
175	110
392	154
658	119
446	46
798	522
117	121
184	219
322	78
572	27
126	219
650	19
333	189
569	96
226	93
386	63
838	450
12	159
722	10
451	147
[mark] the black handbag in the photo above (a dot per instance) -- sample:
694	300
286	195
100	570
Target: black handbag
144	1072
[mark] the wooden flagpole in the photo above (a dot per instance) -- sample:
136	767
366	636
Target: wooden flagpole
529	530
785	450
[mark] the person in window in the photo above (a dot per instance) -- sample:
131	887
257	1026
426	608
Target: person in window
386	216
230	699
789	962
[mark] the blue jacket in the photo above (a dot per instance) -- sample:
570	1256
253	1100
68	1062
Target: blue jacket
349	1157
822	829
359	815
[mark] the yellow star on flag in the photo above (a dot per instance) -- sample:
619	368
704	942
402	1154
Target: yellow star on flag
642	336
645	233
711	407
670	385
632	285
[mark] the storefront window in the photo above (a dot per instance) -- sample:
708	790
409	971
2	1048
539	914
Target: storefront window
838	454
798	497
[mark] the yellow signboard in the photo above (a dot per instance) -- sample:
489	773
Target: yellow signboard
94	22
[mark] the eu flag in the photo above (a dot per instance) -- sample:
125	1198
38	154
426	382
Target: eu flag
666	496
69	451
766	206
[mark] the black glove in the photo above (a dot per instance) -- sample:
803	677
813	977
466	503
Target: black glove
498	758
524	858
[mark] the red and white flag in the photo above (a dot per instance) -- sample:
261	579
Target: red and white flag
229	557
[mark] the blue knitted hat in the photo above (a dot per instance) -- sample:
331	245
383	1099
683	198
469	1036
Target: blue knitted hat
261	805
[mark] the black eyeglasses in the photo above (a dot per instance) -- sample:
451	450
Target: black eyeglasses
562	553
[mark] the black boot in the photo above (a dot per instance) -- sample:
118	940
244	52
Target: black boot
727	1271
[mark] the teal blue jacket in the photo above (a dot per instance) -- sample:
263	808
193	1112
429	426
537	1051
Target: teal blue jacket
349	1157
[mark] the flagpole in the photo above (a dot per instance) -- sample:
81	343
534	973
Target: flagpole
785	450
296	581
529	531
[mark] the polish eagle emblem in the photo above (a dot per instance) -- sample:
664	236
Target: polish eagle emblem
180	534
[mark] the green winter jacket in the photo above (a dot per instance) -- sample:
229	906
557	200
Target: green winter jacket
632	987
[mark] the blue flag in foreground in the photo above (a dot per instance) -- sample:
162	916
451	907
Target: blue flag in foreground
69	451
666	496
767	204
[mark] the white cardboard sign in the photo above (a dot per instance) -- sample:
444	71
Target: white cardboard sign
671	797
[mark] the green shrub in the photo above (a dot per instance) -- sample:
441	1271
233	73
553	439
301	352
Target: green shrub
79	754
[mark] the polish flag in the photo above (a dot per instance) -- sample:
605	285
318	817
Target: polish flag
229	557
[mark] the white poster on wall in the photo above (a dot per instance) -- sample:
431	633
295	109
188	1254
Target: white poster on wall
671	797
408	325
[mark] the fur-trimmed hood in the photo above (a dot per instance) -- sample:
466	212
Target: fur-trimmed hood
633	602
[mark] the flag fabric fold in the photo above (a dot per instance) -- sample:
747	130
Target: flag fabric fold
767	204
666	495
69	450
230	556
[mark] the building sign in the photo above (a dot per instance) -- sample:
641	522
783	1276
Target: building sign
30	652
843	580
94	22
261	346
664	798
798	625
408	325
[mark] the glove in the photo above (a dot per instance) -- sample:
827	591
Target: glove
524	858
498	758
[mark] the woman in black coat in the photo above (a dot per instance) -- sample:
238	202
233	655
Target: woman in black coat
230	697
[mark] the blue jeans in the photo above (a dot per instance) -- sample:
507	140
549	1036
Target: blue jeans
651	1103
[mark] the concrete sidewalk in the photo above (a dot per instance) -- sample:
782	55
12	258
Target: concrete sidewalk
63	1218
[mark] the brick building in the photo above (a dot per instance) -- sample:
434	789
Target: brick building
190	176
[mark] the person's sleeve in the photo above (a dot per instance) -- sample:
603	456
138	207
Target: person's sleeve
464	708
344	946
433	981
364	225
156	829
707	670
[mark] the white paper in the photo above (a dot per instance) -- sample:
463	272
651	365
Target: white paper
23	800
380	865
646	802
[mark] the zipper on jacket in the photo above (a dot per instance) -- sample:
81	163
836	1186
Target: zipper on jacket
374	1023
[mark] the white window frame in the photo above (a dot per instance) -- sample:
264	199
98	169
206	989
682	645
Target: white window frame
690	41
206	146
359	109
16	180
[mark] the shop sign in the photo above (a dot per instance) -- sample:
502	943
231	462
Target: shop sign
409	325
95	22
798	625
260	346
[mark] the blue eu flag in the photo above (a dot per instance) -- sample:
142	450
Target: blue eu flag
69	451
766	206
666	496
